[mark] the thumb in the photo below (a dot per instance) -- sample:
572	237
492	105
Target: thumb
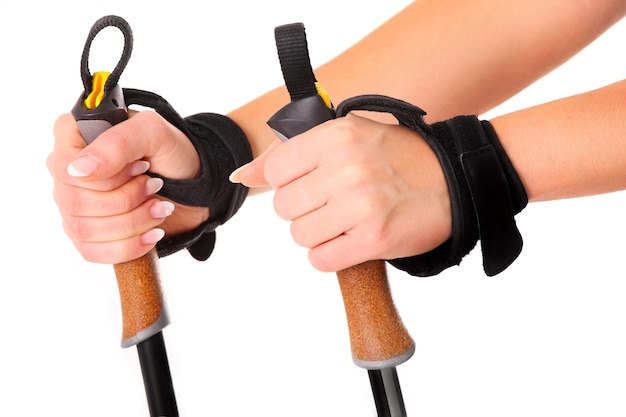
144	136
252	174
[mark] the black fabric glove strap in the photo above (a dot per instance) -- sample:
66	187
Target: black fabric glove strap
485	190
222	146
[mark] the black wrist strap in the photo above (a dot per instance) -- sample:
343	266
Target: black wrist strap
485	191
222	146
492	192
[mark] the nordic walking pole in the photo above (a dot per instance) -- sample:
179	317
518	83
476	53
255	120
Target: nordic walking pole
101	106
379	341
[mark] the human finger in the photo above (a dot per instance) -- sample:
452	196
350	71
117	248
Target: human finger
66	133
252	174
305	194
117	251
78	201
145	136
338	254
68	145
298	156
118	227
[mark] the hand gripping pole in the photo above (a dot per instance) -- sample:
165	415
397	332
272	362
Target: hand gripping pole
101	106
379	341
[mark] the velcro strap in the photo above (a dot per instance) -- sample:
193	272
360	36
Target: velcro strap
485	190
194	192
222	146
500	239
464	227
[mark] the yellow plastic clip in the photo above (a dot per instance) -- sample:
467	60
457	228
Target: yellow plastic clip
322	93
96	96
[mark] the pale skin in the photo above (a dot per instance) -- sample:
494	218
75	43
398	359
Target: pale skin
387	197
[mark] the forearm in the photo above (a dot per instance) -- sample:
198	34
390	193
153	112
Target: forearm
451	57
571	147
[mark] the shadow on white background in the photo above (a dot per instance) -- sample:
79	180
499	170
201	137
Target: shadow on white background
255	330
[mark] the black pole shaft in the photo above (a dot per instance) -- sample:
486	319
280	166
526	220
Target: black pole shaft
157	379
387	393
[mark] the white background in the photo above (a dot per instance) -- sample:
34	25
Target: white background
255	330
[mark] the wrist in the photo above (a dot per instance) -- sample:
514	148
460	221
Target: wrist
221	146
485	190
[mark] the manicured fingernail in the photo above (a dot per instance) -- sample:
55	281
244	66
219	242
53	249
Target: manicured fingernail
161	209
139	167
152	236
83	166
234	176
153	185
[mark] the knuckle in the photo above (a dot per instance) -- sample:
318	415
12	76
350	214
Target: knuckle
128	225
73	227
373	231
368	206
69	202
300	234
273	170
88	252
94	253
359	177
61	122
349	122
322	263
374	241
127	195
346	133
160	128
51	162
281	206
116	140
153	118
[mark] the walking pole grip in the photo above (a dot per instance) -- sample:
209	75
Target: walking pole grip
379	341
141	298
138	281
378	338
100	107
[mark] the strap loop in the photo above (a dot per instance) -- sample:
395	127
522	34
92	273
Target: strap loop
295	63
100	24
485	191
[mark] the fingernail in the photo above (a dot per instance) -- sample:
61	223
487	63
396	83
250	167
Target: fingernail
139	167
161	209
152	236
83	166
153	185
234	176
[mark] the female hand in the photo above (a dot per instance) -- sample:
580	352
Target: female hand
356	190
107	203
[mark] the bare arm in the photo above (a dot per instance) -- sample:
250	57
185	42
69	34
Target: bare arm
449	57
571	147
376	191
452	57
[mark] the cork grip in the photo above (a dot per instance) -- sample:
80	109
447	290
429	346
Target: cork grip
143	312
138	281
378	337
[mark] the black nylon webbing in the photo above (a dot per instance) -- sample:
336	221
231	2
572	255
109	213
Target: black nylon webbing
100	24
293	54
